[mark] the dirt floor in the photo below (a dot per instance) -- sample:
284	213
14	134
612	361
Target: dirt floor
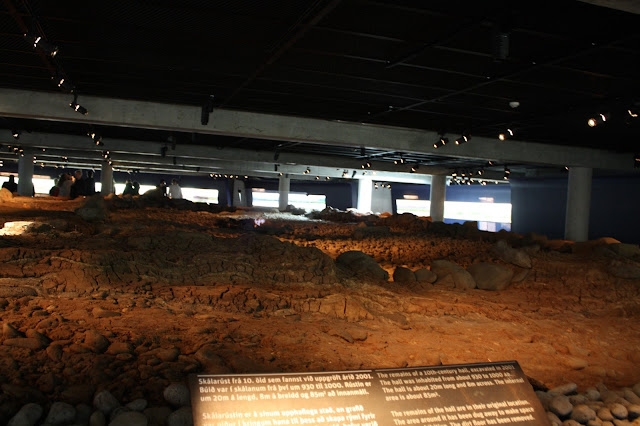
146	295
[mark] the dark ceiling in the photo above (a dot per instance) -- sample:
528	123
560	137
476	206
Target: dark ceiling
435	65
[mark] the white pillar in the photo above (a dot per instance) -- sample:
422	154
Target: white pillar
106	178
284	185
576	226
437	196
365	194
381	201
239	193
25	173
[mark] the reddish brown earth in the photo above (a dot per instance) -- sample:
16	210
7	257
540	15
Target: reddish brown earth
177	291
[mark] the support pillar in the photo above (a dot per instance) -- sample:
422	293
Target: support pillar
284	185
25	173
239	193
576	226
437	196
381	201
106	179
365	195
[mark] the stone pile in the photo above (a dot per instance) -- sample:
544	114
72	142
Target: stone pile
596	406
107	410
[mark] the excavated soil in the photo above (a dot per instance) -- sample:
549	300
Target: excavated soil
176	291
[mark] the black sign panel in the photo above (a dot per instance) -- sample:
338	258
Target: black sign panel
457	395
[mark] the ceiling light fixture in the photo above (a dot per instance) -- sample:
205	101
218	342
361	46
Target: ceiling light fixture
42	44
77	107
594	121
632	114
506	135
507	173
462	140
15	134
441	142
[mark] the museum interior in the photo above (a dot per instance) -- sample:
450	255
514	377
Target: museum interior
326	190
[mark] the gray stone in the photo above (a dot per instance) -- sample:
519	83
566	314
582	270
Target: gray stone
618	411
130	418
10	332
97	419
625	250
451	274
604	414
544	398
105	402
553	419
425	275
490	276
510	255
578	399
403	275
582	413
177	394
83	414
570	422
27	416
211	362
180	417
560	406
60	413
117	412
564	389
595	422
631	396
634	411
95	341
636	388
137	405
157	415
592	394
362	264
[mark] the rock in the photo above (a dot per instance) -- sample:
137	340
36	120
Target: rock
634	411
629	271
560	406
362	264
130	418
618	411
425	275
592	394
578	399
490	276
26	342
105	402
60	413
177	394
157	415
54	352
582	413
211	362
103	313
625	250
27	416
342	334
636	388
97	419
605	414
576	363
553	419
565	389
180	417
511	255
403	275
631	396
137	405
10	332
120	348
83	414
5	195
95	342
168	355
570	422
458	277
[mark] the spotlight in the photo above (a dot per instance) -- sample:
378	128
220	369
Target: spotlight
317	177
306	172
636	162
40	43
594	121
96	138
632	113
65	83
400	161
375	185
345	174
327	178
15	134
368	164
77	107
415	168
507	173
441	142
462	139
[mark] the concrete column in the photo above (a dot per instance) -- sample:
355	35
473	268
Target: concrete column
381	201
437	197
576	226
106	178
284	185
365	194
25	173
239	193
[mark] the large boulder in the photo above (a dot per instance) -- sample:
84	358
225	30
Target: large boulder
93	210
625	250
510	255
425	275
489	276
403	275
452	275
5	195
362	264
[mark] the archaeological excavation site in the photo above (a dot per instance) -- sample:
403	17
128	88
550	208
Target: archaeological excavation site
108	304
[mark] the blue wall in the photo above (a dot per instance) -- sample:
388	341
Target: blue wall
539	206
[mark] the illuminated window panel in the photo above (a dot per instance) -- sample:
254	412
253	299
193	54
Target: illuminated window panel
459	210
262	198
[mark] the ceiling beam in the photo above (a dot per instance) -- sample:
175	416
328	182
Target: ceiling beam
150	115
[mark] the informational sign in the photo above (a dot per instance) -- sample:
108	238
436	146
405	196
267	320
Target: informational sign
455	395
